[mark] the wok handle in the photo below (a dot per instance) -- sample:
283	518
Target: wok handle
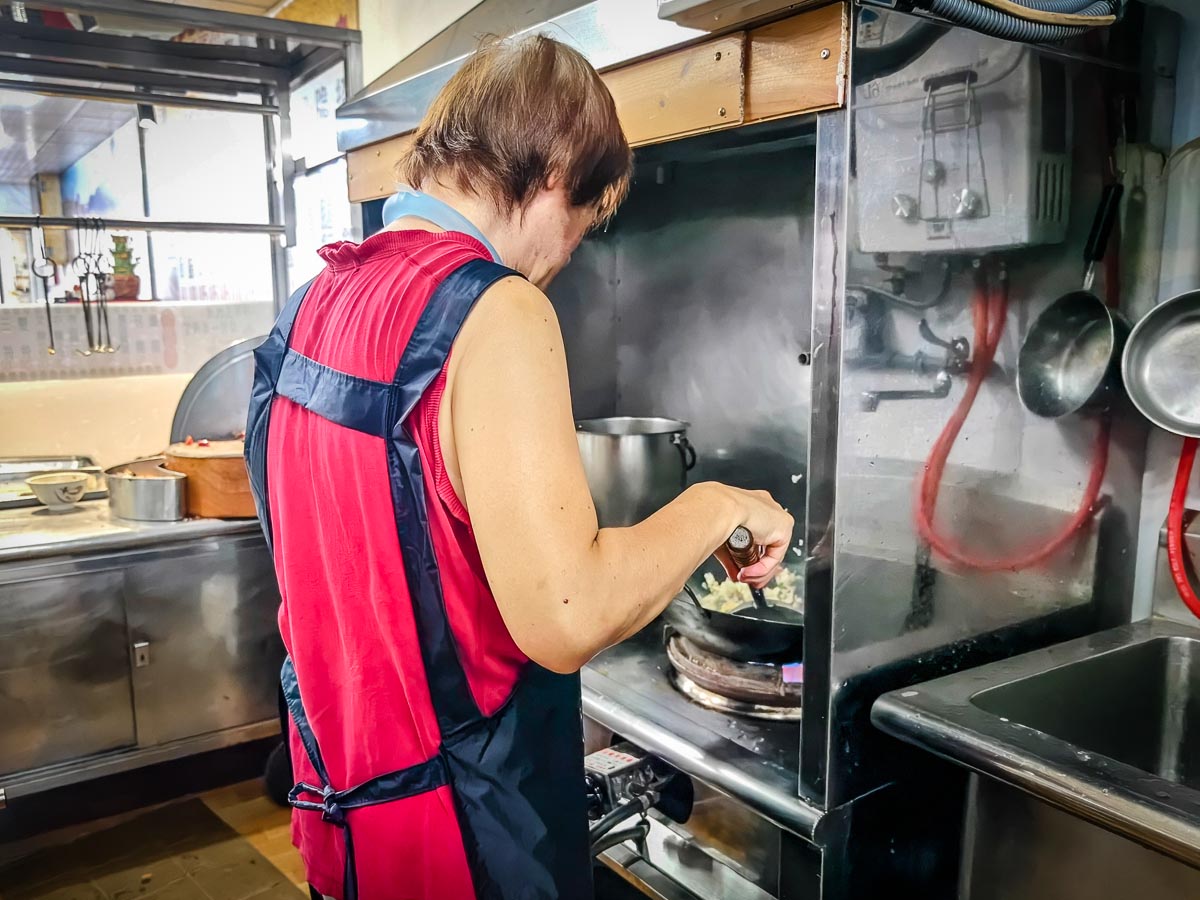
743	549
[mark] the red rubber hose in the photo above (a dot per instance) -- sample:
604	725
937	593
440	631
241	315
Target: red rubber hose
1176	556
990	312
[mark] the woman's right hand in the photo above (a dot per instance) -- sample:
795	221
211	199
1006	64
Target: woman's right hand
771	526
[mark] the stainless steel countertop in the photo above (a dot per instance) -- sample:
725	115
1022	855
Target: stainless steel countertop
35	533
947	717
627	690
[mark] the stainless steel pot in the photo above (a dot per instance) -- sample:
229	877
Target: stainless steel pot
634	466
146	492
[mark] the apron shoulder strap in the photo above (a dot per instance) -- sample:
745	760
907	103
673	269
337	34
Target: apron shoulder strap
438	326
268	364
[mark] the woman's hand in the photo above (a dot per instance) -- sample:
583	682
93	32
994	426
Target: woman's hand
771	526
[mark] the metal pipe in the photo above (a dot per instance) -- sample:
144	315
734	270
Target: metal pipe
186	17
81	92
141	132
143	78
62	223
277	179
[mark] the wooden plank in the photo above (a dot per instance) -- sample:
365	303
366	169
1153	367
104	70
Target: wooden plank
371	170
680	93
334	13
777	70
797	65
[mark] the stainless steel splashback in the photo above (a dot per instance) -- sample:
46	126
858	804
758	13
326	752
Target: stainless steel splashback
696	304
1013	480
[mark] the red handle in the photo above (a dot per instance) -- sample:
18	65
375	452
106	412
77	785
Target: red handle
1176	555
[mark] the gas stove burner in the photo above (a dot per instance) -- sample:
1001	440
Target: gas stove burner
714	701
747	689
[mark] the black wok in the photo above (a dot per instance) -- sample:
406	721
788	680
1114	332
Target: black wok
738	636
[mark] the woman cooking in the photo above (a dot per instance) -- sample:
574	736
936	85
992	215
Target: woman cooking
413	455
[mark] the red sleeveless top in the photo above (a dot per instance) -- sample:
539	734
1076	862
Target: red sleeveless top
346	616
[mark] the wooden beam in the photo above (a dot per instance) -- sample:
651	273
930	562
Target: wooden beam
797	65
371	171
788	68
680	93
334	13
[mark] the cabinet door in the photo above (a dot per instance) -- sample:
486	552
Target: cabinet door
64	667
206	645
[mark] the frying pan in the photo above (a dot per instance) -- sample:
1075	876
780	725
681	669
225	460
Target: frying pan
1071	359
740	637
1161	366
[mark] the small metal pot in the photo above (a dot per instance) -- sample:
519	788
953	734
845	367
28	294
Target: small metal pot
146	492
1071	359
634	466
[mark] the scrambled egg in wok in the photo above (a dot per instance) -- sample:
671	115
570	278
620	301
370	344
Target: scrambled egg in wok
727	595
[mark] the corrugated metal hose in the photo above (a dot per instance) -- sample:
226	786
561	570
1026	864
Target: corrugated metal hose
1029	21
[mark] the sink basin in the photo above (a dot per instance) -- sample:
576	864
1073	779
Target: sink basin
1106	727
1139	705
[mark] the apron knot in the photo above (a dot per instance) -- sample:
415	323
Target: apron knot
331	811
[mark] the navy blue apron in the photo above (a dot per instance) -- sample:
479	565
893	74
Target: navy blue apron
516	776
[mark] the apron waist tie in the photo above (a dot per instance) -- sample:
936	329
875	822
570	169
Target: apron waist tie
334	805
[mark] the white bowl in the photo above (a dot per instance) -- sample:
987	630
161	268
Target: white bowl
59	491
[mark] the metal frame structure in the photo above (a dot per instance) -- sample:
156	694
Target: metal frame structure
254	79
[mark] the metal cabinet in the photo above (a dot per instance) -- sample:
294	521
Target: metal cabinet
204	641
64	665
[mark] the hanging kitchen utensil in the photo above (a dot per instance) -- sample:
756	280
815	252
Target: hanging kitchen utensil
80	266
103	268
1070	361
1161	367
43	268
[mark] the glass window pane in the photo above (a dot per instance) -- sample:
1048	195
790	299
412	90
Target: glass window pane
107	180
314	130
16	278
17	199
323	216
228	267
206	166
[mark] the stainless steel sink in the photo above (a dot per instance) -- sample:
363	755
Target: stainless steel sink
1139	705
1106	727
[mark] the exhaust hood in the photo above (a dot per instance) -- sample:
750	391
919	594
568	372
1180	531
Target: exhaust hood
608	32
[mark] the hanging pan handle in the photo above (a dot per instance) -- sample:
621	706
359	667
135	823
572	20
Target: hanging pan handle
1102	226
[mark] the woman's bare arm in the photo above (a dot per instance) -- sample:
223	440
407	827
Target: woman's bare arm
565	588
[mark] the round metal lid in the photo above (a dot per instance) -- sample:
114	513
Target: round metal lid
215	402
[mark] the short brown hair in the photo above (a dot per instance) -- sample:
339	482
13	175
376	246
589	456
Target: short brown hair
517	112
